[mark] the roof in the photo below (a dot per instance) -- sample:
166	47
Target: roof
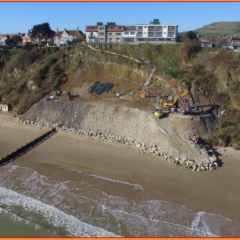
9	35
70	32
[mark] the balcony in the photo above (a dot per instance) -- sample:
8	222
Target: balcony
154	34
172	29
91	29
115	29
171	34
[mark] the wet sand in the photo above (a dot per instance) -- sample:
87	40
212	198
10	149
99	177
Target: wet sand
211	191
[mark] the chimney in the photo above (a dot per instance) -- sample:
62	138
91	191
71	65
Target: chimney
64	29
78	28
57	29
29	31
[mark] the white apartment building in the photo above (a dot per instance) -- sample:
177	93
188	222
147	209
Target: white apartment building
151	33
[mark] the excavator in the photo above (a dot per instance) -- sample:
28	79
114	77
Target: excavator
170	104
158	110
185	107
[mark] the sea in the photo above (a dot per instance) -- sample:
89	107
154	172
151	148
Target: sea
48	201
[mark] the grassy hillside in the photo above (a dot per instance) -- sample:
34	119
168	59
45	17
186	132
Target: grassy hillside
219	29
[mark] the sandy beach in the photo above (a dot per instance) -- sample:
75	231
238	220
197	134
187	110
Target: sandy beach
212	191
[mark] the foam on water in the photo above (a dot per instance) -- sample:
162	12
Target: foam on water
136	186
53	215
64	202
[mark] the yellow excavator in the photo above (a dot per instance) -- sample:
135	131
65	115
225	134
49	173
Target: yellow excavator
158	110
168	104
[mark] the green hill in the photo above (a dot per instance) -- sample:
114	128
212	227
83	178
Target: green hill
219	29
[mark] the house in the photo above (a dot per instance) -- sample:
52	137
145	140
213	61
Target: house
42	40
234	45
4	37
112	33
206	44
4	107
26	38
68	36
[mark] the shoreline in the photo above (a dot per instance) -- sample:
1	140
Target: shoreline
216	192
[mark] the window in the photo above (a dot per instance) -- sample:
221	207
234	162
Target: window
145	27
164	26
171	29
119	28
151	28
130	28
90	34
139	28
170	34
101	40
118	40
132	33
126	33
101	33
110	39
145	33
118	34
139	34
101	28
109	33
158	28
91	40
164	33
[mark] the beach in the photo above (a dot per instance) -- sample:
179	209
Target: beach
65	155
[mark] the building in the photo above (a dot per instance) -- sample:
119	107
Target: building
112	33
4	37
4	107
206	44
68	36
26	38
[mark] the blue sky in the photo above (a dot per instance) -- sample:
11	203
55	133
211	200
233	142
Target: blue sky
19	17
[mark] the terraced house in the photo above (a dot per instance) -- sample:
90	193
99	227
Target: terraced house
151	33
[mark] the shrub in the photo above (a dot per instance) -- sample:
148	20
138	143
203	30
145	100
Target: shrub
225	124
222	136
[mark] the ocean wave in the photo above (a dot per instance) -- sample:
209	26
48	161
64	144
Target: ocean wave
53	215
136	186
86	199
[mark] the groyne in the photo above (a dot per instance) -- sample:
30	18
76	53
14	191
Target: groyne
26	148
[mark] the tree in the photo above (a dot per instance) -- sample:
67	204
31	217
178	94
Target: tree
16	39
9	42
41	31
13	41
191	35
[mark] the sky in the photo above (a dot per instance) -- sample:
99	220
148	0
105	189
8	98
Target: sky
20	17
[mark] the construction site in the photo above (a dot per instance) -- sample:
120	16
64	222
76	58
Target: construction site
111	95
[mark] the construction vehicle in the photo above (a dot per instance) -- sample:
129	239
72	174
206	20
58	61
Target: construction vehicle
57	93
185	107
144	95
69	97
64	93
158	110
168	103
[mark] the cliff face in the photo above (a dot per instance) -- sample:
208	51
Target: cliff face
212	75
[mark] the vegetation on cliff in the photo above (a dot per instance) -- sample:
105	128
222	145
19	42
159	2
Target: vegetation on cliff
212	75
